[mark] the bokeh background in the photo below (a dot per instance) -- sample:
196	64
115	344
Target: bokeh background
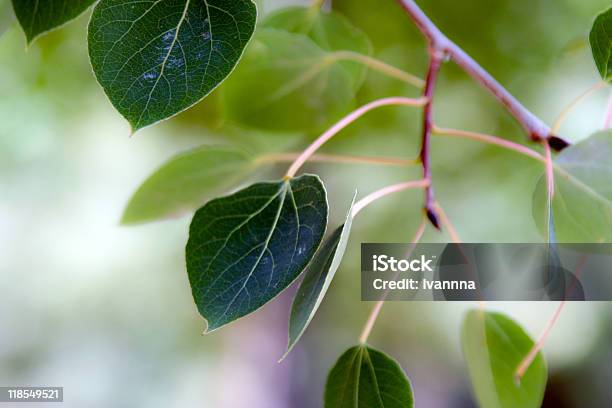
106	311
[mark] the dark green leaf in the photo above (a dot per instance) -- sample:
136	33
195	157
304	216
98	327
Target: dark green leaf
186	181
582	203
332	32
317	278
244	249
601	43
494	346
364	377
39	16
155	59
290	83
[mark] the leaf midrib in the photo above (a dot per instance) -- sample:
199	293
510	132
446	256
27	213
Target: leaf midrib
281	204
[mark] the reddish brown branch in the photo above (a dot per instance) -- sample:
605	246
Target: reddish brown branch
535	128
435	61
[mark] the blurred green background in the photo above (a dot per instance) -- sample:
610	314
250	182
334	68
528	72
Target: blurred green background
106	311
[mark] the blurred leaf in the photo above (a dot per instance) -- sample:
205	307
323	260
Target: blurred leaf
156	59
364	377
6	15
36	17
494	346
330	31
583	192
317	278
601	43
286	82
244	249
184	182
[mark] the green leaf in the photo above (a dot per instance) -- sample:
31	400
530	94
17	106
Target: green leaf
184	183
6	15
601	43
290	83
363	377
332	32
494	346
582	204
36	17
155	59
244	249
317	278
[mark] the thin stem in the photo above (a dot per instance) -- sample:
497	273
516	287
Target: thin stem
317	4
452	232
367	328
435	62
344	122
369	199
493	140
538	345
608	114
448	226
334	158
534	127
533	352
379	66
572	105
550	178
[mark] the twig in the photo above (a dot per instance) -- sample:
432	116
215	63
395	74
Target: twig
344	122
367	328
534	127
435	61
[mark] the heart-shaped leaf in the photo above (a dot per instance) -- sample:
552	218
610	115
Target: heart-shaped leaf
36	17
494	346
155	59
245	248
582	204
331	31
290	83
317	278
186	181
364	377
601	43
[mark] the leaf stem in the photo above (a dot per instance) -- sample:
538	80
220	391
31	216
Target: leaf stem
435	62
335	158
369	199
608	114
550	175
538	345
533	126
452	232
344	122
367	328
448	226
570	107
493	140
379	66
